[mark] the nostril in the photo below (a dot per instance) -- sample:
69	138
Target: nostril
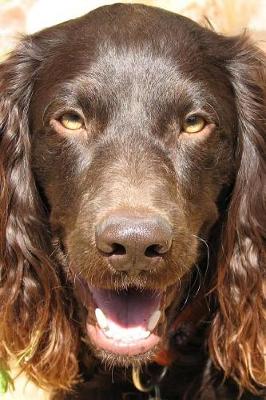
155	250
110	249
151	251
118	250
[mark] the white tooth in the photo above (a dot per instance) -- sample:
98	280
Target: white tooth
126	339
145	334
101	318
154	319
108	334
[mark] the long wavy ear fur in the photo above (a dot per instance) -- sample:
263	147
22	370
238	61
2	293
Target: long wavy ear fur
238	338
34	316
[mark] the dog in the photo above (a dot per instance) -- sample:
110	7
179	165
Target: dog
132	170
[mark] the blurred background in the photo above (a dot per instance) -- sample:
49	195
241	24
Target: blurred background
226	16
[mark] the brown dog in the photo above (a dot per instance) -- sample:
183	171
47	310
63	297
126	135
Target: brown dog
132	167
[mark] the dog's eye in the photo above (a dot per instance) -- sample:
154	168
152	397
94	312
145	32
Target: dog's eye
194	124
71	121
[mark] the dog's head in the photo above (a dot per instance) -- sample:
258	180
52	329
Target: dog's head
130	139
132	142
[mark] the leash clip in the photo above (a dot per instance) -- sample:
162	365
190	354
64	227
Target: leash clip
157	394
152	384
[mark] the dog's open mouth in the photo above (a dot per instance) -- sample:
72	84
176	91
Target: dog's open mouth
126	321
129	322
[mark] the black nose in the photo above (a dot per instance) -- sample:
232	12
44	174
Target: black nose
133	242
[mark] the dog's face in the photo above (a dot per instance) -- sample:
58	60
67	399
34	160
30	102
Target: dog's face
133	133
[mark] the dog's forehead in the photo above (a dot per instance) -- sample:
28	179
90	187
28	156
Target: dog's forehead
128	65
124	35
122	42
134	21
124	52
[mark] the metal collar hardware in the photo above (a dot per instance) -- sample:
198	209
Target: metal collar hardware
151	386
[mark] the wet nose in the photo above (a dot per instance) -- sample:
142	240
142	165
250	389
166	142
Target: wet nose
133	242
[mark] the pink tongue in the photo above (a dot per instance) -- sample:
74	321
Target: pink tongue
127	308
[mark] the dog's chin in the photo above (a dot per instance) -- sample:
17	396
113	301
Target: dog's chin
126	327
110	359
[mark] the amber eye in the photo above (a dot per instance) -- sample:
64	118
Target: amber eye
194	124
71	121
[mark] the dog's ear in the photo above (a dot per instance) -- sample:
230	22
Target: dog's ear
238	339
33	318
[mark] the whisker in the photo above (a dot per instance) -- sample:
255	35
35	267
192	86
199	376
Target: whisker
208	254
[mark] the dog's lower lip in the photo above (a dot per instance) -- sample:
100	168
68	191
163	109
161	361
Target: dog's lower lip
118	347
